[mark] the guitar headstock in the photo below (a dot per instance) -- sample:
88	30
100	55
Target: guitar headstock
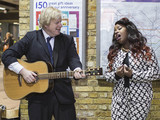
94	71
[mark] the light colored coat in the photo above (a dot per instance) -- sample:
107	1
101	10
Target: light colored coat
139	92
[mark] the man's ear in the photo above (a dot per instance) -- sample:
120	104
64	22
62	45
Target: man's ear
45	26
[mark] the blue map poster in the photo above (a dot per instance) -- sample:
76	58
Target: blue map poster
143	13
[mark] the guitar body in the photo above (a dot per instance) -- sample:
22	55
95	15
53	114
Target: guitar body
12	85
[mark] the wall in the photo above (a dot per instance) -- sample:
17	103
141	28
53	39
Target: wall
93	97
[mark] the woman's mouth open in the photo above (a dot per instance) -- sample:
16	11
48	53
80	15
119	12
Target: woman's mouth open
118	37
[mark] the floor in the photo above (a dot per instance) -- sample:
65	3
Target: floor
10	104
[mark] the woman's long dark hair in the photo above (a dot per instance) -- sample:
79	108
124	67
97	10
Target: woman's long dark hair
136	40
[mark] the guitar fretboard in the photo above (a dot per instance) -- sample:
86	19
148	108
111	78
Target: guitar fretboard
56	75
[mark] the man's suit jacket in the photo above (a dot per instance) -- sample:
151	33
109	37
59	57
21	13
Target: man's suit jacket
34	47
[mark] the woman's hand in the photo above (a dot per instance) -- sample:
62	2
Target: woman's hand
120	71
127	71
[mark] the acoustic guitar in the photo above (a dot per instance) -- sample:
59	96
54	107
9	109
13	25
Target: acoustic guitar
16	87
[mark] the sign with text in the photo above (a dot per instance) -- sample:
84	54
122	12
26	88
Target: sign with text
72	18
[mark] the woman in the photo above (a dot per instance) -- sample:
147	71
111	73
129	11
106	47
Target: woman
6	41
132	67
9	39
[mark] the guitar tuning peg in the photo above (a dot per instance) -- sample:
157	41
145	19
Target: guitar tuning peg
98	68
89	69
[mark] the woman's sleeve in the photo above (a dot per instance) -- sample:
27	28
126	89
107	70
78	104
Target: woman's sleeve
150	73
111	75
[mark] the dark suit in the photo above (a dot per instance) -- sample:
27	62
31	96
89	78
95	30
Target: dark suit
34	47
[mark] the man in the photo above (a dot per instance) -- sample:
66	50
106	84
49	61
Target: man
34	45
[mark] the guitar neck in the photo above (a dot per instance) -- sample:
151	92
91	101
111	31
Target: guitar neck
69	74
56	75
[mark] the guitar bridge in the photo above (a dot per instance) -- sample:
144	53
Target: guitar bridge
20	80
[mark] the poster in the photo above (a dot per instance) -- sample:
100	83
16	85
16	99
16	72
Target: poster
71	18
143	13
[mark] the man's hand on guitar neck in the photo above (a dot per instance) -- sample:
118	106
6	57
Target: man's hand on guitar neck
79	74
29	76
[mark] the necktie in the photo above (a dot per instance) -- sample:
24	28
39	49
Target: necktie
50	49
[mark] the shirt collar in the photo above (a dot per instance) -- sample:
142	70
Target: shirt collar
45	34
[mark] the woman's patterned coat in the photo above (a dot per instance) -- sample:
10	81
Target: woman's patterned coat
133	103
